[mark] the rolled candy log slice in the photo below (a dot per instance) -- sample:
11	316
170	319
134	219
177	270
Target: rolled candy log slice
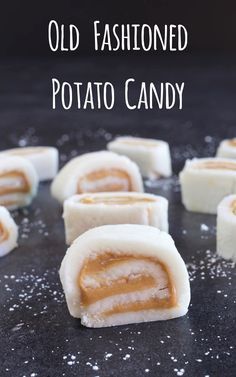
8	232
44	159
227	148
96	172
226	228
86	211
152	156
18	182
120	274
206	181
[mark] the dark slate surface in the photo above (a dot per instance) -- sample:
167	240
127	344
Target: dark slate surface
37	335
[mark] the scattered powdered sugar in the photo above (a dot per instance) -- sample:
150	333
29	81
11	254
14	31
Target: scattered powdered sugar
207	231
29	291
181	153
179	372
164	184
26	227
107	356
81	138
204	228
34	296
210	264
27	138
126	357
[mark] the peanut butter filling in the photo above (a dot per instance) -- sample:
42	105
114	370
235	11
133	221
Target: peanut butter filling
234	207
26	151
140	142
4	234
232	142
218	165
126	284
21	184
140	305
99	175
121	200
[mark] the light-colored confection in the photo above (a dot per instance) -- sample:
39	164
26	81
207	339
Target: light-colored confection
18	182
206	181
86	211
226	228
96	172
152	156
120	274
227	148
44	159
8	232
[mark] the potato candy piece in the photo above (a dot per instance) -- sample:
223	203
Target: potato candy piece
152	156
226	228
82	212
120	274
44	159
18	182
227	149
96	172
205	182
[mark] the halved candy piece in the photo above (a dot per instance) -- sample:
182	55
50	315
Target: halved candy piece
206	181
8	232
226	228
44	159
82	212
18	182
96	172
151	155
120	274
227	148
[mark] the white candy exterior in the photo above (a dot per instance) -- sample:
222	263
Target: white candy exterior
11	164
226	229
152	156
65	183
202	188
80	217
139	240
44	159
226	149
7	223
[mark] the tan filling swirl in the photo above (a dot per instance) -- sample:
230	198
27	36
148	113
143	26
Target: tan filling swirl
4	234
105	174
121	200
217	165
122	285
21	184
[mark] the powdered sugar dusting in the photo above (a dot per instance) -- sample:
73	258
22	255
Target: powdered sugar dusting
43	338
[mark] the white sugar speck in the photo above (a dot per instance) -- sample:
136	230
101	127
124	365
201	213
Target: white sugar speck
108	356
204	228
126	357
